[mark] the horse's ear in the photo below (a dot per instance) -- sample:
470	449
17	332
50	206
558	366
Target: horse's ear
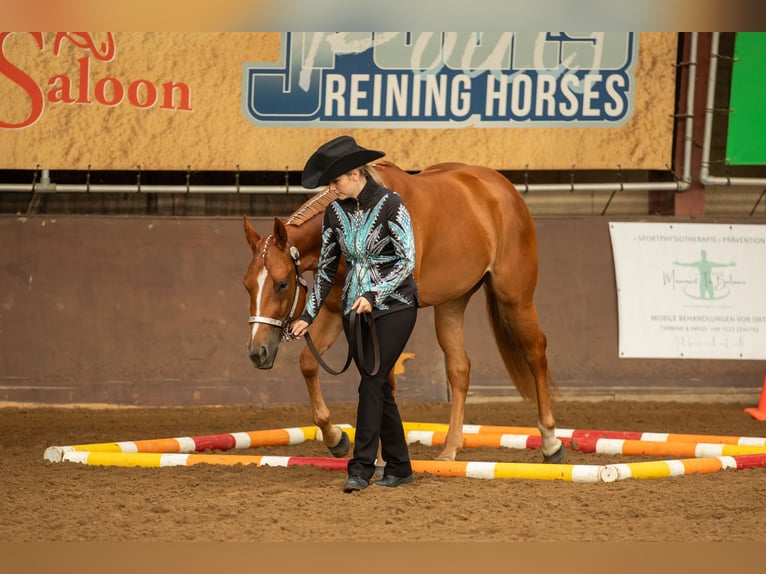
280	233
250	233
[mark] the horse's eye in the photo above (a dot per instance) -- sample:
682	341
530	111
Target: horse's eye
282	286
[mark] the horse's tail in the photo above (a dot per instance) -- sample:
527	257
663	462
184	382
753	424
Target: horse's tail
506	331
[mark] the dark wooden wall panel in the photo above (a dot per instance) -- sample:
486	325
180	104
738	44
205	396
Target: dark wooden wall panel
151	311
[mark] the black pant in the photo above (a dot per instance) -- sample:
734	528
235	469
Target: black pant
377	416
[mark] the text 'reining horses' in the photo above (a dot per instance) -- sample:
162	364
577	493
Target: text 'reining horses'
472	229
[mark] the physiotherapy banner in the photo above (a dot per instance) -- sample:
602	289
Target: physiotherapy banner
690	291
265	101
747	118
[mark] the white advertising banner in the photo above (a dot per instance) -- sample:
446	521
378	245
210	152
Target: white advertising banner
690	290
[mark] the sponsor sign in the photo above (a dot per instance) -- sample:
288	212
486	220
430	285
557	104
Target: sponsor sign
263	101
690	291
79	87
444	80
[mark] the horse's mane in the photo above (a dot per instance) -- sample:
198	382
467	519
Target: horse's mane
319	202
312	207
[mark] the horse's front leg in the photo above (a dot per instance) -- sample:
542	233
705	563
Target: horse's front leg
324	332
448	319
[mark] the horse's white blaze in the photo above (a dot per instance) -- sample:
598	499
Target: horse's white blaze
253	331
261	282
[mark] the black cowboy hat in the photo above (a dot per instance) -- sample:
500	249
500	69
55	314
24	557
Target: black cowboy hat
333	159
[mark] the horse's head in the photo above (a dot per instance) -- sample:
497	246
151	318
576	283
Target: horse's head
277	291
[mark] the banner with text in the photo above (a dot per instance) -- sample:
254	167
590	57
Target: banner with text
263	101
405	80
690	291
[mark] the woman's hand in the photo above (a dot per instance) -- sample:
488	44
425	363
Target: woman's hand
361	305
298	328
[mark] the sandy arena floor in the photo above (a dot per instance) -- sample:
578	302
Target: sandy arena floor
69	502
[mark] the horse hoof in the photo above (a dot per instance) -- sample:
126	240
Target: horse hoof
341	449
556	457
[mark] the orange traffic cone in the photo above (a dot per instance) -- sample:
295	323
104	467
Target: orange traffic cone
759	412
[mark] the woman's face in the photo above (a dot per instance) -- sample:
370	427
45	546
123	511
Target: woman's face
347	185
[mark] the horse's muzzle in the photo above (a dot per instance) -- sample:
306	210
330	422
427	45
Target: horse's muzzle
262	357
263	353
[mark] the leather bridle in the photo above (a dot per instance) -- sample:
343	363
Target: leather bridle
284	325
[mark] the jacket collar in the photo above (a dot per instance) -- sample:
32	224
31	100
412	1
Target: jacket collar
368	196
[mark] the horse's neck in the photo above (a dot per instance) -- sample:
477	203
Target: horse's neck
307	237
395	178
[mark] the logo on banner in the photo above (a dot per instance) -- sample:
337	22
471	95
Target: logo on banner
707	284
444	80
81	86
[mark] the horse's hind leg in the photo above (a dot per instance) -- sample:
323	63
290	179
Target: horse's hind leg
324	332
449	321
533	341
522	345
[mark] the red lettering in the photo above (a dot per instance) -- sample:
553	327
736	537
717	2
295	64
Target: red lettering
117	91
61	92
168	101
24	81
151	94
104	53
84	66
64	88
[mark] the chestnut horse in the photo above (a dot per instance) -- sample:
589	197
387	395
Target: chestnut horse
472	228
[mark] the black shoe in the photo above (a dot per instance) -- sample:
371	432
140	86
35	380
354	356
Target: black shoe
391	481
355	482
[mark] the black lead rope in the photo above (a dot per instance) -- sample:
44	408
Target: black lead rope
354	341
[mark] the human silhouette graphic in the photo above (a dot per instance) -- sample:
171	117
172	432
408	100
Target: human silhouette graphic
705	268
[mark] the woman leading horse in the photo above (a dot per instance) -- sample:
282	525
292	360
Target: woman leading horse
370	227
464	218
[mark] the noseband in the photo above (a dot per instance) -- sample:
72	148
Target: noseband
299	282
